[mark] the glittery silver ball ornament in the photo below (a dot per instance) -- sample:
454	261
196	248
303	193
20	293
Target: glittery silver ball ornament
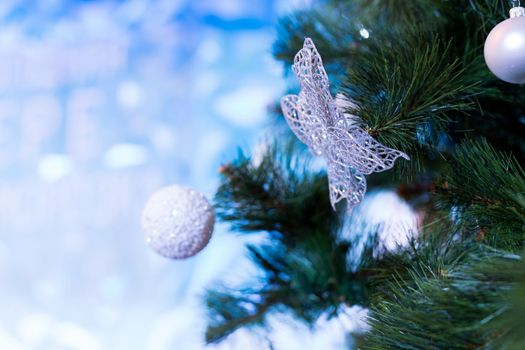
178	222
505	48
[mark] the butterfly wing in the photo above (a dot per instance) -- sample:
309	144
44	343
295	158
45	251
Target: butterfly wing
362	151
308	68
315	86
305	124
345	182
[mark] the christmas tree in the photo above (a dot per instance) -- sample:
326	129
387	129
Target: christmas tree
414	74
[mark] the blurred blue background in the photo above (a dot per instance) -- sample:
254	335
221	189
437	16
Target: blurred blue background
101	104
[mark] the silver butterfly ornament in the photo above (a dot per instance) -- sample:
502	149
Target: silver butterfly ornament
316	120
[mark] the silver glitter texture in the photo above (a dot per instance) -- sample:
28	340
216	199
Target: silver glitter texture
177	221
316	120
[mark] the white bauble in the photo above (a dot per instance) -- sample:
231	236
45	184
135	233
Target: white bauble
505	48
177	221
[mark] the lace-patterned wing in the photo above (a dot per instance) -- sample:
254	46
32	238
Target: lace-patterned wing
315	86
345	182
304	123
362	151
308	67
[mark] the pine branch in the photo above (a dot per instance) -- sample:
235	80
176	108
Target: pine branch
312	273
277	195
326	24
409	91
229	310
513	319
452	308
486	189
